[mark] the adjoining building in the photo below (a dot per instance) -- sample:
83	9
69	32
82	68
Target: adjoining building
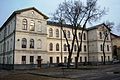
116	46
27	38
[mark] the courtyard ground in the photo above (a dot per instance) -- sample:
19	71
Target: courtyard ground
102	72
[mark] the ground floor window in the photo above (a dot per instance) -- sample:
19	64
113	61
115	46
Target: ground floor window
23	59
57	58
65	59
85	59
31	59
101	58
80	59
108	58
51	59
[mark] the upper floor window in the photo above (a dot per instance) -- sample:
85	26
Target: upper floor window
101	47
75	48
24	43
65	47
79	35
39	44
50	32
32	25
39	26
51	47
107	37
8	29
8	45
100	34
57	33
108	48
57	47
68	34
24	22
31	43
84	36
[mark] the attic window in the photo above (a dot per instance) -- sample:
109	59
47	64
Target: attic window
32	12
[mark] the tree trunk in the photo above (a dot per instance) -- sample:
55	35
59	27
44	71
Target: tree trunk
104	49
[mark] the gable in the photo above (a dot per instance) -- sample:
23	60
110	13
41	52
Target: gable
31	13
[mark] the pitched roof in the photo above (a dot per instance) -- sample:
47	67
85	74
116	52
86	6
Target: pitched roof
96	27
59	25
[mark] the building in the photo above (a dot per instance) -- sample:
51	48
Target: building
116	46
27	37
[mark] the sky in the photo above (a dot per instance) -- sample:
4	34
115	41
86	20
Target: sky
49	6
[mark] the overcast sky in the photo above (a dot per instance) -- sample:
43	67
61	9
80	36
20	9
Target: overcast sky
49	6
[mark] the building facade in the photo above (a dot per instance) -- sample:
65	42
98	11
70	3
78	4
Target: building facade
27	37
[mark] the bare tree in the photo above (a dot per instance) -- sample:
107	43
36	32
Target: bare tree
77	14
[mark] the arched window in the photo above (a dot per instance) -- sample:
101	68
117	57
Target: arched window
100	34
65	47
51	47
68	34
24	22
75	48
84	36
24	43
31	43
101	47
79	35
32	25
39	44
50	32
57	33
57	47
39	26
107	47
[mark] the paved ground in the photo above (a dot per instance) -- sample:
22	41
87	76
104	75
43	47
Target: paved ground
107	72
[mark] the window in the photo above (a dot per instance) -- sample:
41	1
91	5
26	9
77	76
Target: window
107	47
39	44
51	47
8	45
31	59
101	58
51	60
75	48
32	25
100	34
8	29
11	44
107	37
80	59
50	32
85	59
85	48
57	58
65	47
57	47
31	43
24	24
68	34
57	33
79	35
84	36
108	58
101	47
24	43
65	59
39	26
23	59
